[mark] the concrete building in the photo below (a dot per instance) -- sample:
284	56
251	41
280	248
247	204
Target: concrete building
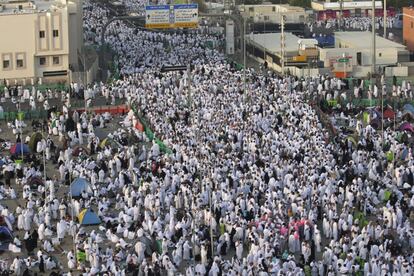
350	57
331	9
41	40
272	13
408	27
353	51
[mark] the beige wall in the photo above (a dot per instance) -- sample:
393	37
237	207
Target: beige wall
21	37
273	13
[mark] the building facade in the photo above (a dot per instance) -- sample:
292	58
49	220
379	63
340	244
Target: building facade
272	13
408	27
41	40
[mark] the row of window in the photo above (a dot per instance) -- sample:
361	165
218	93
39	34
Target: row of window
55	33
55	61
20	62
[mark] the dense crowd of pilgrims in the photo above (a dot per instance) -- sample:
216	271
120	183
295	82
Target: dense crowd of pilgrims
253	184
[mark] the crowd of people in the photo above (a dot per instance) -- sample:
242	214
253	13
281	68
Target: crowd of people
351	23
252	183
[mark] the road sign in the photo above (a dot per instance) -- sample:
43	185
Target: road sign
343	60
186	16
171	16
157	16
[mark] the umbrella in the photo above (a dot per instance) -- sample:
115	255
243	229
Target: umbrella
78	150
409	108
406	127
35	181
18	148
352	139
389	114
109	141
34	139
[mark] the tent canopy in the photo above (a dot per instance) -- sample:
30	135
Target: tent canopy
18	148
78	186
88	217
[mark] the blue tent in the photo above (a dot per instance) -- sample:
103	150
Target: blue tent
88	217
78	186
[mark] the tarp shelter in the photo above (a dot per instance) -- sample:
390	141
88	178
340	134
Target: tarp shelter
19	148
406	127
34	139
88	217
78	150
78	186
389	114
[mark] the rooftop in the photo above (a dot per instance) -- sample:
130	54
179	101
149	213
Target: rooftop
8	7
363	40
271	41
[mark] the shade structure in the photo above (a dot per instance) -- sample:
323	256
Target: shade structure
78	186
20	148
88	217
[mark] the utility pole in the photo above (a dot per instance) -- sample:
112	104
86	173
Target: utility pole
244	57
282	44
373	48
385	19
341	15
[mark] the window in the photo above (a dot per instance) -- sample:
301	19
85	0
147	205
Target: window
266	17
273	9
42	34
42	61
19	63
251	9
6	64
56	60
380	54
55	33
